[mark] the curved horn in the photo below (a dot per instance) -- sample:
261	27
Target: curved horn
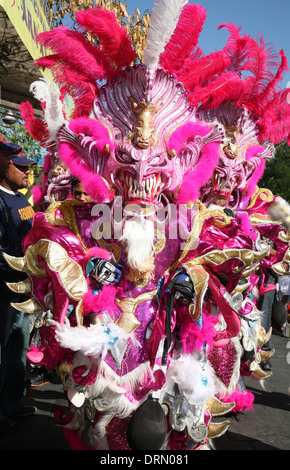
218	408
217	429
22	287
15	263
29	306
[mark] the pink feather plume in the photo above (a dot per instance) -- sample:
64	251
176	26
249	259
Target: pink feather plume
104	301
78	85
269	92
195	72
96	252
227	86
257	61
35	127
74	49
275	125
185	37
114	39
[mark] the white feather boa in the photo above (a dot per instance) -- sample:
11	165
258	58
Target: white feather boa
95	340
196	381
164	18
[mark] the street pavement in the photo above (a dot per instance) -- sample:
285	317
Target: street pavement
267	427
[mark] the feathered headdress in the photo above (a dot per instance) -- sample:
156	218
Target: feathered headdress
245	72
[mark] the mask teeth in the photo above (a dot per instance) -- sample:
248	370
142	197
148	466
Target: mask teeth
143	191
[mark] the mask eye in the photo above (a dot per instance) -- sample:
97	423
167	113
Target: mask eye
155	160
158	161
124	158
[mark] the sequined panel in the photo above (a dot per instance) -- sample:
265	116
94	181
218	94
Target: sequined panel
223	359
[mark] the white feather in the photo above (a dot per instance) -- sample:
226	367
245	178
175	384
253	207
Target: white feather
44	91
164	19
196	381
94	340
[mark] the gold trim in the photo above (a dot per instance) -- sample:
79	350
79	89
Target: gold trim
18	264
29	306
127	321
200	280
264	193
259	374
265	355
220	220
217	429
69	217
22	287
217	257
240	288
263	337
219	408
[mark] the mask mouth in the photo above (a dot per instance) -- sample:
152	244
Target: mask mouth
140	193
222	188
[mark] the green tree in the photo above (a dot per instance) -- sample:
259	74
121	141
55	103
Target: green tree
17	134
277	173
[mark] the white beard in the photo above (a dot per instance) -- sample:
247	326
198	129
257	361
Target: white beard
139	238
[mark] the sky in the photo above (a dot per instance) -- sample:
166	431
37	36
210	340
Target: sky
269	18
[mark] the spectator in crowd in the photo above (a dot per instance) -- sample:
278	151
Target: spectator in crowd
16	215
78	191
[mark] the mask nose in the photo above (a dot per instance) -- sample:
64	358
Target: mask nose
140	175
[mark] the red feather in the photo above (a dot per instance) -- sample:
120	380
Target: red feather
275	122
236	48
228	86
35	127
114	39
261	63
196	72
74	49
256	57
261	100
185	37
78	85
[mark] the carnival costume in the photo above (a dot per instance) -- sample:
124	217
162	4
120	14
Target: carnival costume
139	291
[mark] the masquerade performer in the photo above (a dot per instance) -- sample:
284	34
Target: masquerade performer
253	124
154	330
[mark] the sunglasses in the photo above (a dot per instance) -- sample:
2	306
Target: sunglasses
22	168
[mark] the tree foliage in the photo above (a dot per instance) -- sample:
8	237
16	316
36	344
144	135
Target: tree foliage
17	134
277	173
63	10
